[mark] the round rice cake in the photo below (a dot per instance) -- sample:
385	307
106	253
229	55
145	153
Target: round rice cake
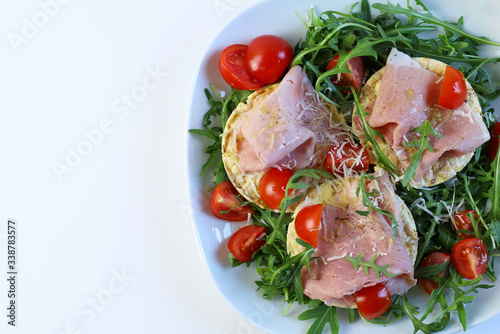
445	167
325	193
247	184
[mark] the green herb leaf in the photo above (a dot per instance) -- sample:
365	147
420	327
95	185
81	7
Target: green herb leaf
370	136
495	196
426	328
431	19
357	261
422	144
369	204
219	111
322	316
432	270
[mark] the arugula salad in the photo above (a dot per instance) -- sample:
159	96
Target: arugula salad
456	221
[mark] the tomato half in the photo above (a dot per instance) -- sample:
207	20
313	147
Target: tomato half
470	257
272	186
268	57
246	241
233	69
307	223
355	79
461	221
224	198
453	89
373	301
493	144
347	156
429	260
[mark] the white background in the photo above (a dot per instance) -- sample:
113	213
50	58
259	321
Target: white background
92	166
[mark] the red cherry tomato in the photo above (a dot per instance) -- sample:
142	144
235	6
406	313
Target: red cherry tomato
273	185
347	156
307	223
453	89
429	260
268	57
233	70
373	301
224	198
246	241
461	221
355	79
470	257
493	144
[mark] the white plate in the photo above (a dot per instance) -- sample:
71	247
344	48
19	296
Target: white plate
280	18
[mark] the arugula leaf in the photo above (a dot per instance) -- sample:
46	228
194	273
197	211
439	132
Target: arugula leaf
462	297
432	270
473	203
356	262
280	272
220	110
350	314
446	237
322	316
369	204
419	324
495	231
422	144
495	194
456	28
370	135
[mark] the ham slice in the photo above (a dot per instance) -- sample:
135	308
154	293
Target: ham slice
407	97
344	232
290	128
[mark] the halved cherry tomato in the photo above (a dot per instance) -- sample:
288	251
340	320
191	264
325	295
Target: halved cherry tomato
347	156
307	223
225	198
246	241
373	301
453	89
273	185
429	260
493	144
355	79
233	70
470	257
268	57
461	221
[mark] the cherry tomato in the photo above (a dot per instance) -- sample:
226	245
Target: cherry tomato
273	185
429	260
233	70
453	89
373	301
493	144
461	221
224	198
470	257
307	223
268	57
246	241
355	79
347	155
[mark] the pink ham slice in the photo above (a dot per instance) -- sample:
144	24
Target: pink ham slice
288	129
406	94
344	232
